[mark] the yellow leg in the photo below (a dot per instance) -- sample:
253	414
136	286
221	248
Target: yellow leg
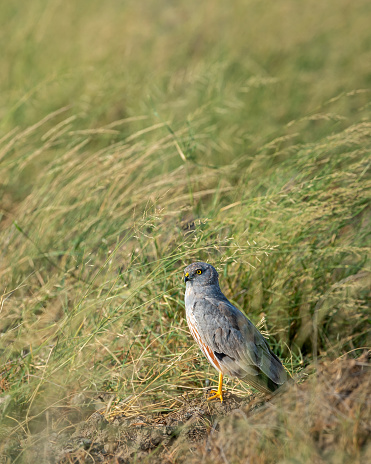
219	392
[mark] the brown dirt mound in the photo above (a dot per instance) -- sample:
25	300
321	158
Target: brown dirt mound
155	438
324	419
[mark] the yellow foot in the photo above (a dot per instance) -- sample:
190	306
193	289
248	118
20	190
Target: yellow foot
218	394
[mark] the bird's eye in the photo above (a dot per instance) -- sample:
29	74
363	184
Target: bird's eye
199	271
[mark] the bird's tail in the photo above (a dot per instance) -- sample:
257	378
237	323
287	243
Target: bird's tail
262	383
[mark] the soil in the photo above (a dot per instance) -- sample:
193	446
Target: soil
329	406
158	438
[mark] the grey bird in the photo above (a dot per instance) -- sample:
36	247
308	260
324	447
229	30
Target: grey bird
228	339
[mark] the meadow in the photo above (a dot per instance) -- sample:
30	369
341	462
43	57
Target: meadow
138	137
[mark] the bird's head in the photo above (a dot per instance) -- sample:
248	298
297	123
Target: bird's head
201	274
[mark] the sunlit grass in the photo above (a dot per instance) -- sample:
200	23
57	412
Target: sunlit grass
128	152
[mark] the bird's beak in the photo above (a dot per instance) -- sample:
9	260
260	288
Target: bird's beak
186	277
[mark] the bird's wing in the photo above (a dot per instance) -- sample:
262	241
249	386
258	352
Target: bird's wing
235	340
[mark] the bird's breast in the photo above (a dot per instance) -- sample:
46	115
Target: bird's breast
198	336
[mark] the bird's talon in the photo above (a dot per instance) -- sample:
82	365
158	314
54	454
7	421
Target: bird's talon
218	394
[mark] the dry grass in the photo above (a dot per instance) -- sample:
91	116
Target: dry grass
128	153
324	420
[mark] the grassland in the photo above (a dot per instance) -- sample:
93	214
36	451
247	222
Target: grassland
136	137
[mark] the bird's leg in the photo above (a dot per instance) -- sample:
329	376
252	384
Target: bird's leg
219	392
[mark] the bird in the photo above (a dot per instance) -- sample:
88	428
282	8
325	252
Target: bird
228	339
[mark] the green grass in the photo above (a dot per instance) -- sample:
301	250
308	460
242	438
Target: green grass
137	138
